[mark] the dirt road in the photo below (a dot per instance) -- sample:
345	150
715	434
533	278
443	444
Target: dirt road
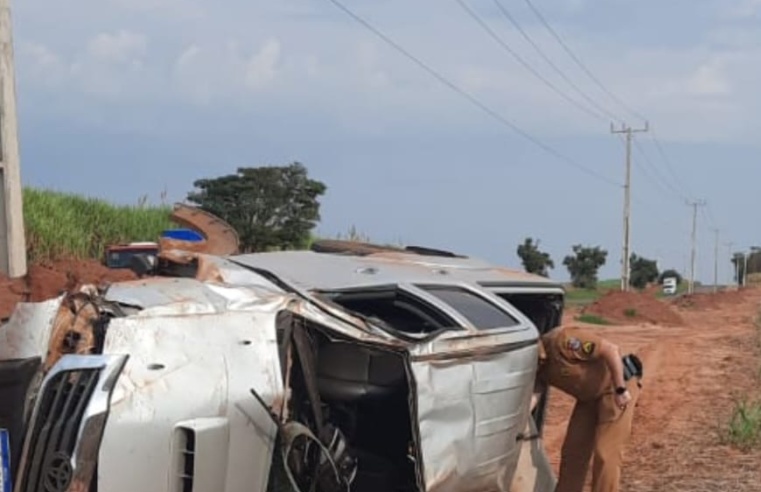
693	374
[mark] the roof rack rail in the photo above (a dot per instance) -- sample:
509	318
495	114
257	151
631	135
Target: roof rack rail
356	248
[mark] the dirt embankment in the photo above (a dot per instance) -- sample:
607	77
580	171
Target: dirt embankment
49	279
632	308
719	300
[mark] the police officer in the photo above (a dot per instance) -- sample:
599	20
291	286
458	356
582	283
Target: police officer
592	370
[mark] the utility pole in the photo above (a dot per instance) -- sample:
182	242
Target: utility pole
12	240
716	262
694	206
625	267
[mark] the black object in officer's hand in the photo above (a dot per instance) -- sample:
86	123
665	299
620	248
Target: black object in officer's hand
632	367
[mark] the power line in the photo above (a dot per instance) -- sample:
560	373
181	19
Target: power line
547	59
523	62
472	99
684	191
667	161
581	65
663	183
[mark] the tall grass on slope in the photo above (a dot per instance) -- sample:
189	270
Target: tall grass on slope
60	225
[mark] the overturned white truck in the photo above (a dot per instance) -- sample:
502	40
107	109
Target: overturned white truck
338	370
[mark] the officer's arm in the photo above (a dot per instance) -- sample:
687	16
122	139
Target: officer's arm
610	353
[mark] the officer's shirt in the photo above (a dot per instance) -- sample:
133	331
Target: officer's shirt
570	361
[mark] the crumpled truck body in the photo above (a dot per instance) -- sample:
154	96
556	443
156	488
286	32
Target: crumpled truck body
184	384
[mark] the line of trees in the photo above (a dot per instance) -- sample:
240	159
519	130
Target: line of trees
585	262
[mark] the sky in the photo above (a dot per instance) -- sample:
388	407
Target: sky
449	130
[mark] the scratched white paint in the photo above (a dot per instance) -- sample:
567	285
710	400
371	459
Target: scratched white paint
470	412
209	363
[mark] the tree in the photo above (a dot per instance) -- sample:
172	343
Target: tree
584	264
643	271
670	273
534	261
271	207
738	260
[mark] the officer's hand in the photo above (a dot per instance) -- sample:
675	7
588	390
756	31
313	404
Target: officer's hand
623	399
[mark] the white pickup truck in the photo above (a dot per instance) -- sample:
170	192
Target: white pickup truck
298	371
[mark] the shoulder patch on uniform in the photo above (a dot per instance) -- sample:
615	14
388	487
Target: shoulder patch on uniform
574	343
588	347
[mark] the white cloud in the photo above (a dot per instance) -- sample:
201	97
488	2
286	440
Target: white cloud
262	68
709	79
121	46
312	58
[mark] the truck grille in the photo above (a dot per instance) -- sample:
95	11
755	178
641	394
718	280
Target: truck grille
53	434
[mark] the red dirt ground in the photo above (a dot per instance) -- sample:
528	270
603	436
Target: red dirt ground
47	280
718	300
641	308
692	375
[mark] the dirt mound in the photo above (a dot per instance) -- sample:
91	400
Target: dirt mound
712	301
632	307
49	279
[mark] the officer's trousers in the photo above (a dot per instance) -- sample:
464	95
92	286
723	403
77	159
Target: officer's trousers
598	429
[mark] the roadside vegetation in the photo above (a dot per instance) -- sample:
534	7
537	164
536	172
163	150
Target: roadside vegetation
61	225
743	430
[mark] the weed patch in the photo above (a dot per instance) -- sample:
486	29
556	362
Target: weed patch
744	428
593	319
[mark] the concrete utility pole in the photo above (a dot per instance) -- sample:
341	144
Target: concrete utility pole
716	262
694	206
12	240
625	267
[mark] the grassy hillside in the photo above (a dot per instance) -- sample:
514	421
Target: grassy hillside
66	225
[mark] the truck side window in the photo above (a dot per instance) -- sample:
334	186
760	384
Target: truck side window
483	314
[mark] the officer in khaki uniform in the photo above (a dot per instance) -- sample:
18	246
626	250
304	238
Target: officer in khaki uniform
591	369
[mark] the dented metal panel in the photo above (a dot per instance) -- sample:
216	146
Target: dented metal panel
27	333
186	367
189	296
470	411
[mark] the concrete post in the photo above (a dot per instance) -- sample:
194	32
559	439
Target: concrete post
12	235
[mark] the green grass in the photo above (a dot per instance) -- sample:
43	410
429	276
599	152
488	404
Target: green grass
592	319
587	296
744	428
61	225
